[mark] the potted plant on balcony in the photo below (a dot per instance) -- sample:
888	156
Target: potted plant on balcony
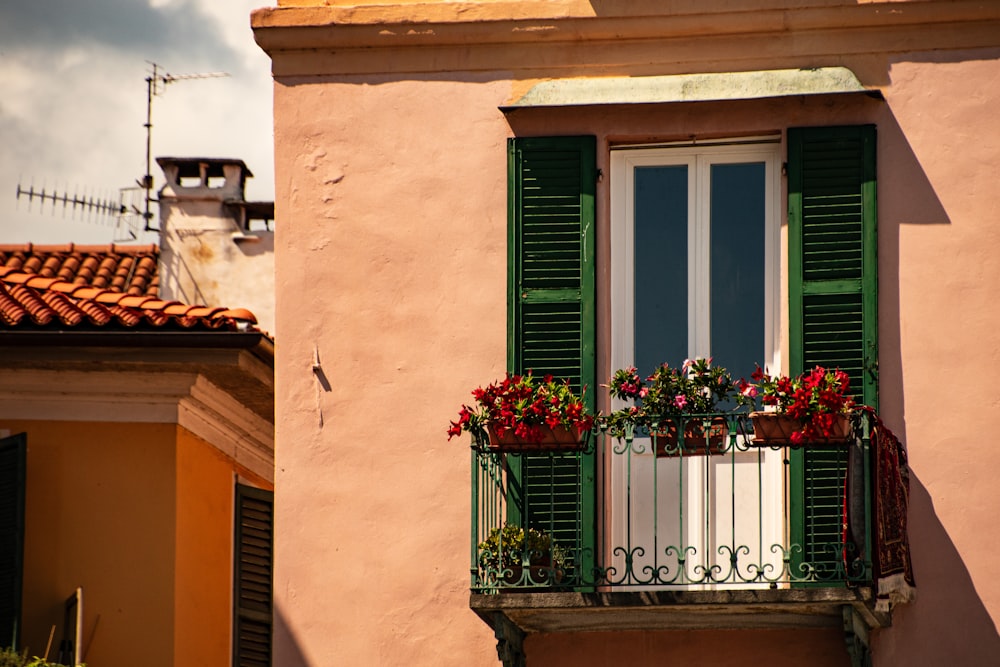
676	400
506	551
522	414
812	408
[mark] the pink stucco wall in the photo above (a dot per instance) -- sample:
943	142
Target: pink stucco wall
391	270
938	215
385	222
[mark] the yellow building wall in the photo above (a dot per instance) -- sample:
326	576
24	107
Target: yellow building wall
203	584
99	507
141	517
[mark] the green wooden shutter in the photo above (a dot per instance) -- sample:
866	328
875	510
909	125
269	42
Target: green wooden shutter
551	321
254	551
833	307
13	458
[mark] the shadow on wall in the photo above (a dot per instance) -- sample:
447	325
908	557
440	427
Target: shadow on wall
905	197
287	652
947	624
177	266
257	243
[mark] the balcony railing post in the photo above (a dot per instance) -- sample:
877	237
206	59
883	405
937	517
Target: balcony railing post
474	542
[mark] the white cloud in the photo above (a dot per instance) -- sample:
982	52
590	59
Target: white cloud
74	102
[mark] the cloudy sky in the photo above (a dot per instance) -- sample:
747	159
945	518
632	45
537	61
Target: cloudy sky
73	103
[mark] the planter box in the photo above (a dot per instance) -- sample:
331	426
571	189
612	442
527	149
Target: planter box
558	439
695	443
772	428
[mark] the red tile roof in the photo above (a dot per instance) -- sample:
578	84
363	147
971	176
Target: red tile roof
115	268
33	302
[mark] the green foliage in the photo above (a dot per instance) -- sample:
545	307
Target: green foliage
696	388
513	546
39	662
11	658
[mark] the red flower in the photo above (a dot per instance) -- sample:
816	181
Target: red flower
522	404
817	397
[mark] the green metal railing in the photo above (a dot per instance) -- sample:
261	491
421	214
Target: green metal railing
641	512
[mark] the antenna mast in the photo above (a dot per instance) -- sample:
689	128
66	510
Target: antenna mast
156	84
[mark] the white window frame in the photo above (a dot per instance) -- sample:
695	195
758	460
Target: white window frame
698	159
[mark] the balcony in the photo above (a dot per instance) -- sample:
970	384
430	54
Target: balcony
639	535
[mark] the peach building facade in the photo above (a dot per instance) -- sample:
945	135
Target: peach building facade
392	123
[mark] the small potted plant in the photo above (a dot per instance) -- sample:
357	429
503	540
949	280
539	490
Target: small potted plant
676	399
506	551
812	408
522	414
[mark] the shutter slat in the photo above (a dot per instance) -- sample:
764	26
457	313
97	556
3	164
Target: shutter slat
254	563
551	319
832	305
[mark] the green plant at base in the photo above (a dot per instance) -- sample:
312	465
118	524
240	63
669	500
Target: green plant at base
511	546
11	658
41	662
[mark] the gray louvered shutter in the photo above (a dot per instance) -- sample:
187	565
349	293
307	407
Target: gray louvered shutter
551	322
13	459
254	551
833	307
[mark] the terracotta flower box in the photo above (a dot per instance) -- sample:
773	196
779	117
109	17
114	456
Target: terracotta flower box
772	428
557	439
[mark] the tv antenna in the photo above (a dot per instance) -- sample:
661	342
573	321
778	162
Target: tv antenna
87	203
92	206
156	84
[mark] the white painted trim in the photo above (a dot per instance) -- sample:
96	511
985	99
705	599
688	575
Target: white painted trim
112	396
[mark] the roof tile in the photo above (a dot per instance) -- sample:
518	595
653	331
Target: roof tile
124	268
32	302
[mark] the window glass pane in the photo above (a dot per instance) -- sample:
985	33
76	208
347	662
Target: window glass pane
661	267
737	266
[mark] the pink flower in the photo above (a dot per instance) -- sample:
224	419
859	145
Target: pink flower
750	391
644	392
680	401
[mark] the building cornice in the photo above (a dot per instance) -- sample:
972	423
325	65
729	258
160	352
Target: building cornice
188	400
315	40
217	418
